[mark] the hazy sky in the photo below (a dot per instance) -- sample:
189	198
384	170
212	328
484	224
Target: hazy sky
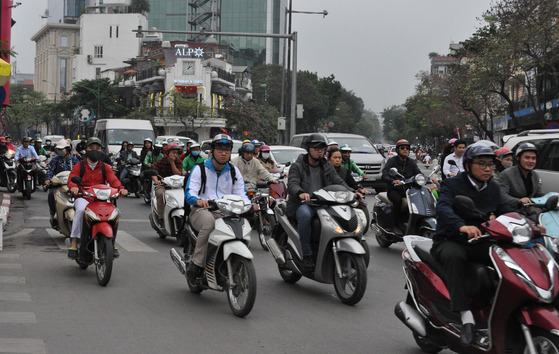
373	47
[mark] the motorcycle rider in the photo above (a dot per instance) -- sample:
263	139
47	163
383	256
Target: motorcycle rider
251	168
227	179
308	174
192	159
39	149
452	170
48	145
148	147
520	183
450	246
165	167
151	158
3	146
95	172
62	161
257	146
265	158
125	158
348	163
504	160
25	150
81	145
407	168
9	144
335	158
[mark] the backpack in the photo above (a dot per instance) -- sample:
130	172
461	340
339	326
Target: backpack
203	175
82	170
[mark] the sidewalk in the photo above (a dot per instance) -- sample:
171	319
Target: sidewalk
4	213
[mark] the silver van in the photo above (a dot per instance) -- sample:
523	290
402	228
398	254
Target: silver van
547	165
364	153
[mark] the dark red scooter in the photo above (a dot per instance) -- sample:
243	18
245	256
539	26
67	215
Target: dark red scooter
511	300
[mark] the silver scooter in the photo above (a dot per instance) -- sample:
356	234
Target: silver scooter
174	216
335	239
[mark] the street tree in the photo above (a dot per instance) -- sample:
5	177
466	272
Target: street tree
25	109
140	6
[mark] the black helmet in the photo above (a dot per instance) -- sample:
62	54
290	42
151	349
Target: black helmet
526	147
246	147
316	141
477	150
94	140
25	140
221	139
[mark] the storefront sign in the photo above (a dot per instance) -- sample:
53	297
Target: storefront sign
188	82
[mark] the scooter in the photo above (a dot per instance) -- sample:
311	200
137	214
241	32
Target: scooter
97	241
264	219
132	181
27	176
419	204
8	178
549	218
229	264
511	299
42	171
174	214
335	240
64	203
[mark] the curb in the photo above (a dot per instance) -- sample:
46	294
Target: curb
4	214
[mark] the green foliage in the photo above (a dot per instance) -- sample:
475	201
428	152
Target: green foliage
86	92
5	50
140	6
26	108
260	121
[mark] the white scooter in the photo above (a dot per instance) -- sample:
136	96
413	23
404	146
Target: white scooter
174	217
229	264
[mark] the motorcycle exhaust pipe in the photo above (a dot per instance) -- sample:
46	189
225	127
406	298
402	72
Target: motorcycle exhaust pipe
411	318
276	251
177	259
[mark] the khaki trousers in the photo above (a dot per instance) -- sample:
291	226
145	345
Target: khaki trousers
203	221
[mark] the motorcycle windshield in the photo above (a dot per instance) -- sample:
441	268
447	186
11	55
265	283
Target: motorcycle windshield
550	221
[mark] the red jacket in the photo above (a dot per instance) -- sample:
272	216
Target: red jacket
93	177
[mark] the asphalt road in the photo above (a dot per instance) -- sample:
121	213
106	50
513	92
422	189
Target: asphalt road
47	304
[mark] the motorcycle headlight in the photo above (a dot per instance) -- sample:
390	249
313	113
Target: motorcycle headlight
343	197
239	207
521	234
102	194
264	192
333	224
420	180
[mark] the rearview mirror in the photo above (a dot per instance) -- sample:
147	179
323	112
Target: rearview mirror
551	203
452	162
465	207
77	180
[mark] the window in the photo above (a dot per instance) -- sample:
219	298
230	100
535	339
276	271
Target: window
98	51
63	41
113	30
97	73
63	74
551	161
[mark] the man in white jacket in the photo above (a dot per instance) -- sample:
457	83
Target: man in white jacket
219	178
251	168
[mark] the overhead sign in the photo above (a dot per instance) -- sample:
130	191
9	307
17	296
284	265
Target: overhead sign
83	114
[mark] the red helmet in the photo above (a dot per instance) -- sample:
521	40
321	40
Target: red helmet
170	147
2	139
402	142
502	152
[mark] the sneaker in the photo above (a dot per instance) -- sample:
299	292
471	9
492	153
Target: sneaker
72	253
116	254
308	264
193	271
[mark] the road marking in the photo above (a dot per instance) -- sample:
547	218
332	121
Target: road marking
10	266
22	232
22	345
58	238
18	317
9	255
120	220
12	279
132	244
6	296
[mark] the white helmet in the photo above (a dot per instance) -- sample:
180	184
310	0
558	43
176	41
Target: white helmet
63	143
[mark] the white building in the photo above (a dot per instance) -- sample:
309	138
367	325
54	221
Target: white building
106	41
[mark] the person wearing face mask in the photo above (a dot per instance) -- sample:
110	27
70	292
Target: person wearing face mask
92	170
62	161
503	161
266	158
251	169
348	163
48	145
192	159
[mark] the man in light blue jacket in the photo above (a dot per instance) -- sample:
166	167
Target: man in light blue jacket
219	178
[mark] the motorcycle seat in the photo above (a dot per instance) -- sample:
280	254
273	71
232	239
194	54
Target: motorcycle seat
383	196
479	281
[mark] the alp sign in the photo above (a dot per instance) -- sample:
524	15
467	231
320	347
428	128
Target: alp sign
189	52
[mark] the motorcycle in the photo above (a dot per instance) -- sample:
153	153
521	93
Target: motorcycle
511	299
42	171
264	219
132	182
419	204
27	176
174	215
97	241
335	240
64	203
8	177
549	217
147	187
229	264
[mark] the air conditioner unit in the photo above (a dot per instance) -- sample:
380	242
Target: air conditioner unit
89	59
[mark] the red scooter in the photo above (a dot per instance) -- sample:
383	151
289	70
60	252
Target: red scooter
511	300
96	244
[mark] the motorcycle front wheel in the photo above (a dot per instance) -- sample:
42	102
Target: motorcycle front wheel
544	341
104	266
12	185
351	287
137	188
242	294
27	190
265	226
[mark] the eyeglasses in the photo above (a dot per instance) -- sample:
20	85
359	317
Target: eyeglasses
319	147
222	149
404	147
485	166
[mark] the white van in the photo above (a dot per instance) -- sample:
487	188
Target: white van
113	132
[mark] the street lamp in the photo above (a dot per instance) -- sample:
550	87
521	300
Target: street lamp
53	87
97	95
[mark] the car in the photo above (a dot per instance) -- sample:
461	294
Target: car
53	139
285	155
170	138
364	154
547	165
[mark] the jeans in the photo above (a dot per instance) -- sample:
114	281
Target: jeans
123	173
304	215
